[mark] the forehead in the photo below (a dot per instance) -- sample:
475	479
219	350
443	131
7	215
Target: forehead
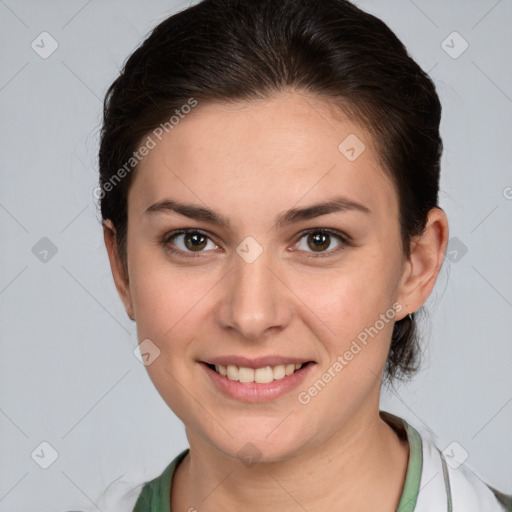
291	149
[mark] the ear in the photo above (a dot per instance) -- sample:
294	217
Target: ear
423	265
118	272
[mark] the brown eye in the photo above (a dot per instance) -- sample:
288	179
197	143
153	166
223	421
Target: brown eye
183	242
321	241
194	241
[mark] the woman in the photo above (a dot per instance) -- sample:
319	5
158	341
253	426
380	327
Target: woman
269	176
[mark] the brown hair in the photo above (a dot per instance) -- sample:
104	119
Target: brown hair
234	50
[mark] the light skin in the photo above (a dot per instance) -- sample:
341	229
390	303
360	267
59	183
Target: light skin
251	162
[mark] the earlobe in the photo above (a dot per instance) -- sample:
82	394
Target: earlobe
118	272
424	264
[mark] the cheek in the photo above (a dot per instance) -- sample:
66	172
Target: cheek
167	308
163	295
349	298
354	318
351	311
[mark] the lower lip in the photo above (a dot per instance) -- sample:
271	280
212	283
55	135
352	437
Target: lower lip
254	392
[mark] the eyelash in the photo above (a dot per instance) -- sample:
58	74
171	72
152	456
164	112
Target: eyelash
173	234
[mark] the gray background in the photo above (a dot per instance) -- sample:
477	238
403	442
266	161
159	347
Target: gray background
68	375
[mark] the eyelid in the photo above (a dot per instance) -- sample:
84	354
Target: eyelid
168	237
345	240
330	231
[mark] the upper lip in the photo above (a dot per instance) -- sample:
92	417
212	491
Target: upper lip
258	362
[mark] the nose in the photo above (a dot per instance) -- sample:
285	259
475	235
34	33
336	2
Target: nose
255	301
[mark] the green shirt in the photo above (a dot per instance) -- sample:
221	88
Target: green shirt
156	494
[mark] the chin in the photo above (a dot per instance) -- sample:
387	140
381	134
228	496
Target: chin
261	445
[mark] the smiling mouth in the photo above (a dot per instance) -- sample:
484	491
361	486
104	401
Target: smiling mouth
262	375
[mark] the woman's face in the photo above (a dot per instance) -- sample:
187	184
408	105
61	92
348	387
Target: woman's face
254	292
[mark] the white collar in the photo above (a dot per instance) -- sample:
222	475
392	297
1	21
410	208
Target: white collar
446	486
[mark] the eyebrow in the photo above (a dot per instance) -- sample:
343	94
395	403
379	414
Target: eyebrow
334	205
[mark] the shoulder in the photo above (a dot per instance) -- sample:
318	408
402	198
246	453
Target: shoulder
453	486
469	492
134	493
155	495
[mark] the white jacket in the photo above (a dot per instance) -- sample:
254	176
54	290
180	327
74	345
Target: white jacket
448	487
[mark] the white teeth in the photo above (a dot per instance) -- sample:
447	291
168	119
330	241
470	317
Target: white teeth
246	374
232	372
264	375
279	372
289	369
259	375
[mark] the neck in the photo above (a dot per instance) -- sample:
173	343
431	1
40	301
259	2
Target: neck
338	473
